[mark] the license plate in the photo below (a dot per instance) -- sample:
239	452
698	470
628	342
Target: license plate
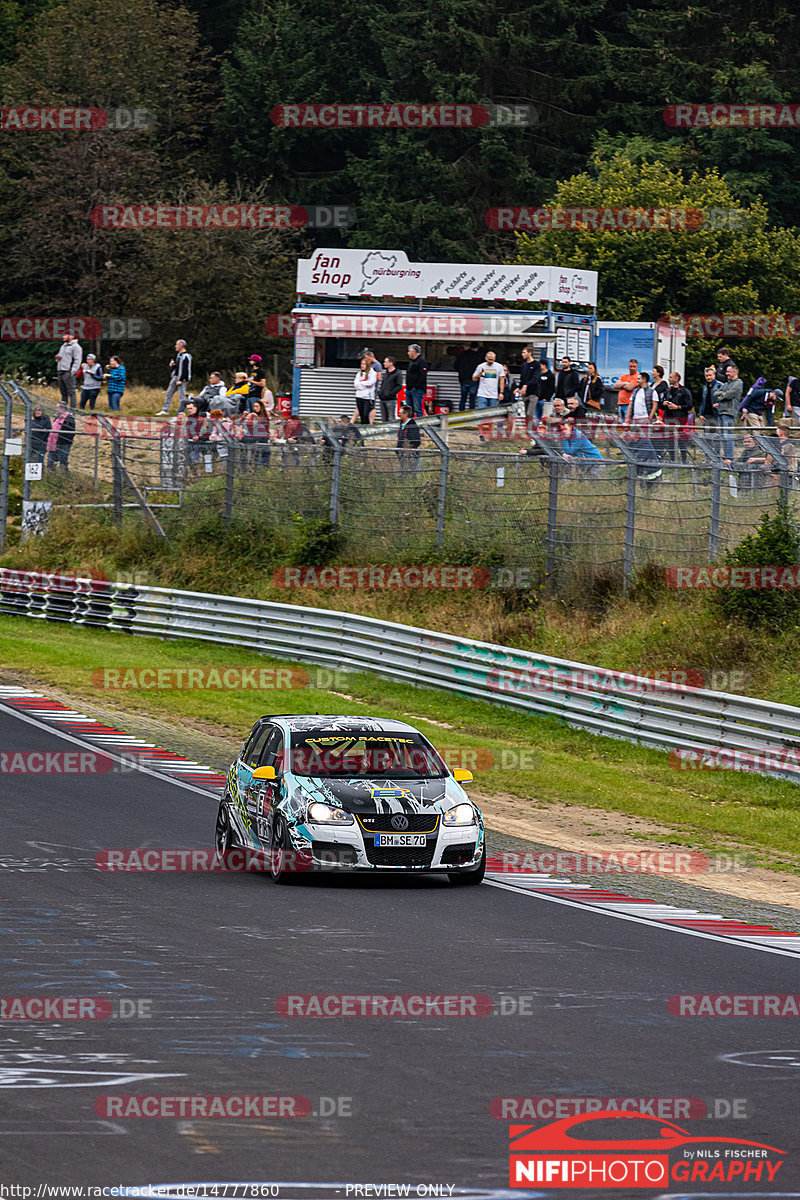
400	839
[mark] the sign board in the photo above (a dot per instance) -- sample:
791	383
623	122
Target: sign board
430	325
33	470
389	273
13	446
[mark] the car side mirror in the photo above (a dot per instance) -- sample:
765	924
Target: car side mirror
462	776
264	773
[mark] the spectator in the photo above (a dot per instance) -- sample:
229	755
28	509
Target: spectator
726	402
92	379
567	379
68	362
591	391
528	374
707	414
792	392
116	382
466	365
447	361
369	354
390	384
181	368
559	410
751	463
40	431
59	440
725	361
490	376
545	386
416	379
660	385
408	440
197	431
788	449
575	444
257	381
346	433
676	409
627	383
241	392
365	384
256	434
210	396
754	406
576	410
643	403
295	434
643	450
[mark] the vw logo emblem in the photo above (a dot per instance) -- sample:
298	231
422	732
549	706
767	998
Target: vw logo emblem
399	822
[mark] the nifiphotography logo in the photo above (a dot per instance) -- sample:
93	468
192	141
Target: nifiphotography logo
626	1149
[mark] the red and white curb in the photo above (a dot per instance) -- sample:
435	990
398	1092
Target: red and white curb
649	912
126	749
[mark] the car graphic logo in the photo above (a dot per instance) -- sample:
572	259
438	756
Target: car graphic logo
399	822
389	793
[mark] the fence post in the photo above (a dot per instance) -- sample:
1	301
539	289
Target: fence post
630	528
4	472
116	469
713	525
230	480
441	507
336	476
552	518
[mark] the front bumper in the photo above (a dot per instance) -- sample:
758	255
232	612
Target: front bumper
352	848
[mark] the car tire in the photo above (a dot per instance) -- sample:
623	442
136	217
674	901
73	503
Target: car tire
223	833
471	877
278	845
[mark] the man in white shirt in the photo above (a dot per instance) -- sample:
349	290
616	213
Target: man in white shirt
491	377
643	403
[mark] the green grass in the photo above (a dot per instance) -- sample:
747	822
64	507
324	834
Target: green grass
711	810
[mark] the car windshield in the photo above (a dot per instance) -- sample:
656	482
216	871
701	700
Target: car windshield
364	755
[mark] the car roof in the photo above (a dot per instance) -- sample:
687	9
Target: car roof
337	723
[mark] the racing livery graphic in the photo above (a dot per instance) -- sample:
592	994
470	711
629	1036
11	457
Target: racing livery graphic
349	793
613	1149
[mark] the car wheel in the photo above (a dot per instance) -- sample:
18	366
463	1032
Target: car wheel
223	834
473	876
279	851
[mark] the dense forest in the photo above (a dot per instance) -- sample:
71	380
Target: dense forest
596	77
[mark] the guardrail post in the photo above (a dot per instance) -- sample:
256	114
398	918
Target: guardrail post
552	517
713	525
336	478
4	473
630	528
230	481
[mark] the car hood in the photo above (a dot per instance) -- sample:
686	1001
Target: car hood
382	795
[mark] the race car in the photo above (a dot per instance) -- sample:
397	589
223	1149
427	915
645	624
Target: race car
349	794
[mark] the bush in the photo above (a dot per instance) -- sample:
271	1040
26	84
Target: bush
775	543
316	543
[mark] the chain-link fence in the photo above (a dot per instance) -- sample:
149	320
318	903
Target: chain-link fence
487	494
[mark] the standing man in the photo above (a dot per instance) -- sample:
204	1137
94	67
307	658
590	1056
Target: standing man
567	380
181	367
527	376
490	377
408	440
391	382
68	363
626	385
643	404
725	361
416	379
545	384
676	407
466	365
369	354
726	402
707	412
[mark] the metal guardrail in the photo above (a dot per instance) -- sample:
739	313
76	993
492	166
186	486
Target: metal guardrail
612	704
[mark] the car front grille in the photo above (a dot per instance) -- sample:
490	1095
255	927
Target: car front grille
417	823
399	856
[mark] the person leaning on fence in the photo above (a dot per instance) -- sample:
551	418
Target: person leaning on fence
92	379
295	434
409	439
751	464
40	431
788	449
576	445
59	440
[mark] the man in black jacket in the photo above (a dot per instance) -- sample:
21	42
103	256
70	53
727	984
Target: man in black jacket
416	378
408	440
567	380
466	364
391	382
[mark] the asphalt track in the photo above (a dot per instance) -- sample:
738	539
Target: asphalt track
211	953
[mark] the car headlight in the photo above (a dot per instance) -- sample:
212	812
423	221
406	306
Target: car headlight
327	814
462	814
